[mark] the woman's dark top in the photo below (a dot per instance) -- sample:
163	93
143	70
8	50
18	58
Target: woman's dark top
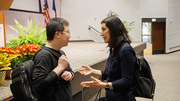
119	71
47	84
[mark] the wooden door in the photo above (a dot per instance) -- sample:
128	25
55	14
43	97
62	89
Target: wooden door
158	37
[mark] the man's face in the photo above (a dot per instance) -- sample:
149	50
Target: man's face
65	36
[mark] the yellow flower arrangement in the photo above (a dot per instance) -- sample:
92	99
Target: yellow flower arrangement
5	60
14	57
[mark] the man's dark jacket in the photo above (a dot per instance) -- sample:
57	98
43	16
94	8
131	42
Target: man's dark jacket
46	83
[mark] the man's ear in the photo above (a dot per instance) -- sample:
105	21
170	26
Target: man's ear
57	34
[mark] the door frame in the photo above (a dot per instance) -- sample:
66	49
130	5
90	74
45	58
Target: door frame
155	20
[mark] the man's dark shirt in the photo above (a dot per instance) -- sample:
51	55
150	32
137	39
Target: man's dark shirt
47	84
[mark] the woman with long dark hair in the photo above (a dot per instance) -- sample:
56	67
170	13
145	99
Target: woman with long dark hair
120	65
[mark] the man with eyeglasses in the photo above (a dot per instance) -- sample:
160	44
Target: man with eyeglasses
52	73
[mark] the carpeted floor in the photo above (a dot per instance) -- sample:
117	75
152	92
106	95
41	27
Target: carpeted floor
166	72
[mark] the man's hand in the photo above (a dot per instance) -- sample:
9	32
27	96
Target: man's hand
62	64
67	76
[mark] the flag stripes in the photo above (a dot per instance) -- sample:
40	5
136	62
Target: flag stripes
46	12
54	8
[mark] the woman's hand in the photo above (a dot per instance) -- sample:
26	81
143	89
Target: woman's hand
86	70
95	83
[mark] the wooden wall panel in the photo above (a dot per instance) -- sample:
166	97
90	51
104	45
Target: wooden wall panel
2	21
5	4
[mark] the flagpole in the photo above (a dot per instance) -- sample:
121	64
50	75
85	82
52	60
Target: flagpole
60	8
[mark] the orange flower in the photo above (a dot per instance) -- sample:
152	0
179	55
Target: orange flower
7	50
27	49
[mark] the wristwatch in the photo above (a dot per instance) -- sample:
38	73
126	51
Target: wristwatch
107	86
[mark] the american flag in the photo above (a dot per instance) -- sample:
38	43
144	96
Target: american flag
46	11
54	8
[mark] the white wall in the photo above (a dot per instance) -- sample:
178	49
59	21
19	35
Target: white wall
51	11
26	5
173	26
153	8
2	44
33	5
22	18
168	9
81	13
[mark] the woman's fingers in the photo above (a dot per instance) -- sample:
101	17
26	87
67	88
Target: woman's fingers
85	66
85	70
81	71
93	78
86	83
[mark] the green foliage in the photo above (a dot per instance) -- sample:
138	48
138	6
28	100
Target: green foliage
127	25
16	62
27	35
111	13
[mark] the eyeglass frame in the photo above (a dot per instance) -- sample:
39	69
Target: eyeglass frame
69	32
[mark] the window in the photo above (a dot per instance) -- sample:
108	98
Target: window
146	32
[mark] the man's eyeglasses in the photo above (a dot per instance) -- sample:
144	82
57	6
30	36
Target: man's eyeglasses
67	32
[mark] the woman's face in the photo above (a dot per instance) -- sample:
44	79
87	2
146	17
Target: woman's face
105	33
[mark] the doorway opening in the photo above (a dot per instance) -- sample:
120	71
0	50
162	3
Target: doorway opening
153	33
146	37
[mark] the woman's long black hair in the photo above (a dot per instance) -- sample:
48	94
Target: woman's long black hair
118	33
